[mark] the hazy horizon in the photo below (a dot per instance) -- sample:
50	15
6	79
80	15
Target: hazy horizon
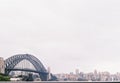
64	34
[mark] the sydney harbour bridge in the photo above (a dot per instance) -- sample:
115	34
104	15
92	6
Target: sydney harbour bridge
20	63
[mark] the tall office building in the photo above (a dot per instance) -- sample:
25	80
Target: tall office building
77	71
2	65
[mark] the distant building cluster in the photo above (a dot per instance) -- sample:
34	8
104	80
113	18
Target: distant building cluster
92	76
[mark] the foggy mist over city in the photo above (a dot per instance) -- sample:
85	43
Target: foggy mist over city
64	34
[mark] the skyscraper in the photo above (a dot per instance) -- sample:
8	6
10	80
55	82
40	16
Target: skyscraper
77	71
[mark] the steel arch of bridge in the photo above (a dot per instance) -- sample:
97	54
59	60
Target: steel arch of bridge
11	62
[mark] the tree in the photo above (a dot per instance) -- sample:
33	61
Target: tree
4	77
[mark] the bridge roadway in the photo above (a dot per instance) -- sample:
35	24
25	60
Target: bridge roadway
26	69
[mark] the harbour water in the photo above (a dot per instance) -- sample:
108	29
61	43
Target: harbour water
58	82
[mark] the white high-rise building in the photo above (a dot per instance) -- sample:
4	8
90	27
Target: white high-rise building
2	65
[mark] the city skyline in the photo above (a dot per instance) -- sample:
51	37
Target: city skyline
64	34
29	65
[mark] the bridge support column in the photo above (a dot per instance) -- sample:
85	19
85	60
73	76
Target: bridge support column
43	76
7	71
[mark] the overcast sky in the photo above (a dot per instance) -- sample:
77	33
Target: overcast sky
64	34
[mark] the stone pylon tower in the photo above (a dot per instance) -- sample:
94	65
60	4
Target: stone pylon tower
2	65
49	73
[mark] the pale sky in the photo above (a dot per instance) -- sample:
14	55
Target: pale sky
64	34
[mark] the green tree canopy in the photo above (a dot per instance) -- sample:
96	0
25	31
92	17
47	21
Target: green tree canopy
4	77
